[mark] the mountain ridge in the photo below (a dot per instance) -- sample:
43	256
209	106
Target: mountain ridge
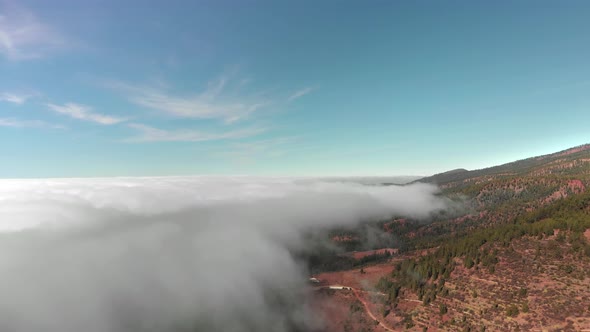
512	168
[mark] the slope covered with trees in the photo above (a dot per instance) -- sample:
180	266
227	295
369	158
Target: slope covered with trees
518	257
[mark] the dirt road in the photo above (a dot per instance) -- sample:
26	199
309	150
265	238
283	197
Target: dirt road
365	304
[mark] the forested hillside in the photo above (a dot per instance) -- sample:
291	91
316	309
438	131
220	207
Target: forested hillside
517	257
499	194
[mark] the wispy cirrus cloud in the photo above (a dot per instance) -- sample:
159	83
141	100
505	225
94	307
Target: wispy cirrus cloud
85	113
23	36
151	134
16	123
215	102
273	147
15	98
300	93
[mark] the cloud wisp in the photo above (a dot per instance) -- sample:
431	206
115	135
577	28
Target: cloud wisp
255	150
16	123
151	134
300	93
213	103
23	36
173	254
15	98
85	113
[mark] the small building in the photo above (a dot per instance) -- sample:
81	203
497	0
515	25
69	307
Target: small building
339	287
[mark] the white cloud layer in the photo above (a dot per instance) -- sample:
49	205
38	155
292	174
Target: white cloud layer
85	113
172	254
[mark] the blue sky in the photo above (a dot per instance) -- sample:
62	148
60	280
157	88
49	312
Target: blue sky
100	88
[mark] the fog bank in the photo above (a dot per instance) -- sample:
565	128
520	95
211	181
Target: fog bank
173	254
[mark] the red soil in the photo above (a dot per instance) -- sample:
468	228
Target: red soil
381	324
344	238
356	279
576	186
574	150
334	307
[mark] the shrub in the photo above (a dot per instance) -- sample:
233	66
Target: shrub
512	310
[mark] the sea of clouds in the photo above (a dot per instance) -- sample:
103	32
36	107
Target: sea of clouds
174	253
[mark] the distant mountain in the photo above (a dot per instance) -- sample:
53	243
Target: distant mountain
446	177
569	161
374	180
499	194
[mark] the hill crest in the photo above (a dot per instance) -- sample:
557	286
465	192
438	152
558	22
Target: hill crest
519	167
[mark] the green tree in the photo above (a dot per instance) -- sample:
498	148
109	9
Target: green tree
442	309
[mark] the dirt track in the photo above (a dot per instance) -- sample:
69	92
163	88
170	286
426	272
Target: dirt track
365	305
355	291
